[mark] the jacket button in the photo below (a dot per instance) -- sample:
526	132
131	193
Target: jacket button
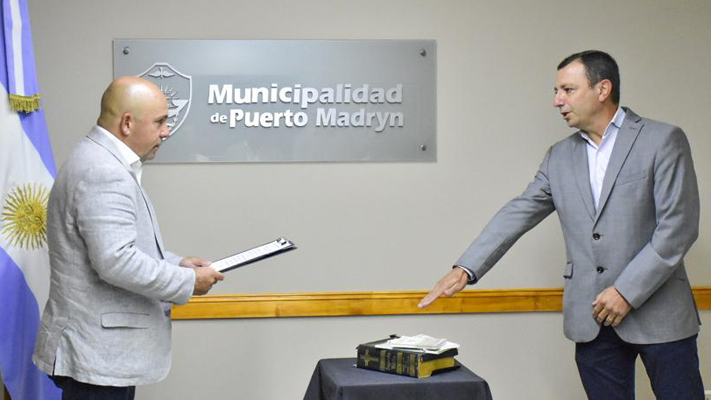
600	270
596	236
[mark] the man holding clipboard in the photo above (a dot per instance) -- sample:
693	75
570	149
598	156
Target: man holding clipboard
107	327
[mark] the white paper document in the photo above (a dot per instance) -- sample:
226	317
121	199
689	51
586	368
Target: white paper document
266	250
423	343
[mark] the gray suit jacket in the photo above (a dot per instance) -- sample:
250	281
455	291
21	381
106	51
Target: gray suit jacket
107	320
646	221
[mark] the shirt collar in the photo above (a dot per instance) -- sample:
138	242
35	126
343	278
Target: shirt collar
612	128
619	118
128	155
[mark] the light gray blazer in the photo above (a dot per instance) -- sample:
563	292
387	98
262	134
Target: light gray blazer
107	320
646	221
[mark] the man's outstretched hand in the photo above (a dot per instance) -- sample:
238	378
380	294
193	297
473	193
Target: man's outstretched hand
450	284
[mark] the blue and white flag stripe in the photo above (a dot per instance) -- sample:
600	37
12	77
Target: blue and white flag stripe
22	379
26	169
13	46
20	77
18	48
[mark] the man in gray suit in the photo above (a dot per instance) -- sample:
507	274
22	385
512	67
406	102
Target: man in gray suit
106	326
626	195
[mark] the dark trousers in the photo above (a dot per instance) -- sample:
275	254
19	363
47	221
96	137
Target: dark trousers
607	367
75	390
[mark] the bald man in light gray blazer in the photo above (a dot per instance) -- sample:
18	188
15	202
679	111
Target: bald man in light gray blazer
625	191
106	325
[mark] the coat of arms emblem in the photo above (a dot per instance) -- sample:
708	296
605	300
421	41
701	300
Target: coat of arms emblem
177	88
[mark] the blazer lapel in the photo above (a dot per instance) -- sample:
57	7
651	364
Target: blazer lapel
582	175
154	222
625	139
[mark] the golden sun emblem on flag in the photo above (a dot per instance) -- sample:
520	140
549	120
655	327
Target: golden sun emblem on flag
24	217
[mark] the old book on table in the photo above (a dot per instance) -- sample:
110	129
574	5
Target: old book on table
408	362
246	257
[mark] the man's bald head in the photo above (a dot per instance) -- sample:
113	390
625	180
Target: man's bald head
135	111
127	94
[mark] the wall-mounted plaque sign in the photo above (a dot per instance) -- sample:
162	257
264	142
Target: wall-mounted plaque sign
291	100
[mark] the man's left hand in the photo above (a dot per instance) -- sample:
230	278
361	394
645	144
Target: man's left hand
610	307
194	262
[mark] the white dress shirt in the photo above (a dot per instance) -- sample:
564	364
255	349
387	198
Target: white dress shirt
131	158
599	156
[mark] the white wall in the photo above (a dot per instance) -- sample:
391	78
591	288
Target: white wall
388	226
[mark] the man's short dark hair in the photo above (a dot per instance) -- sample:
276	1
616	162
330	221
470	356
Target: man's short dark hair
598	66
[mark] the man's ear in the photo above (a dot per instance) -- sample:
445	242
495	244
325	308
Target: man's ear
126	125
604	88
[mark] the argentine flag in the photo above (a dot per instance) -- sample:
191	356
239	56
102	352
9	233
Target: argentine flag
26	176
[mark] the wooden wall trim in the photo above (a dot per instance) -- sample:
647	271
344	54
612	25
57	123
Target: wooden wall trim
334	304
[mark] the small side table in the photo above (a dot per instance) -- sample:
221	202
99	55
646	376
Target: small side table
339	379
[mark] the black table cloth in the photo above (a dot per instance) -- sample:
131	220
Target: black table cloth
339	379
